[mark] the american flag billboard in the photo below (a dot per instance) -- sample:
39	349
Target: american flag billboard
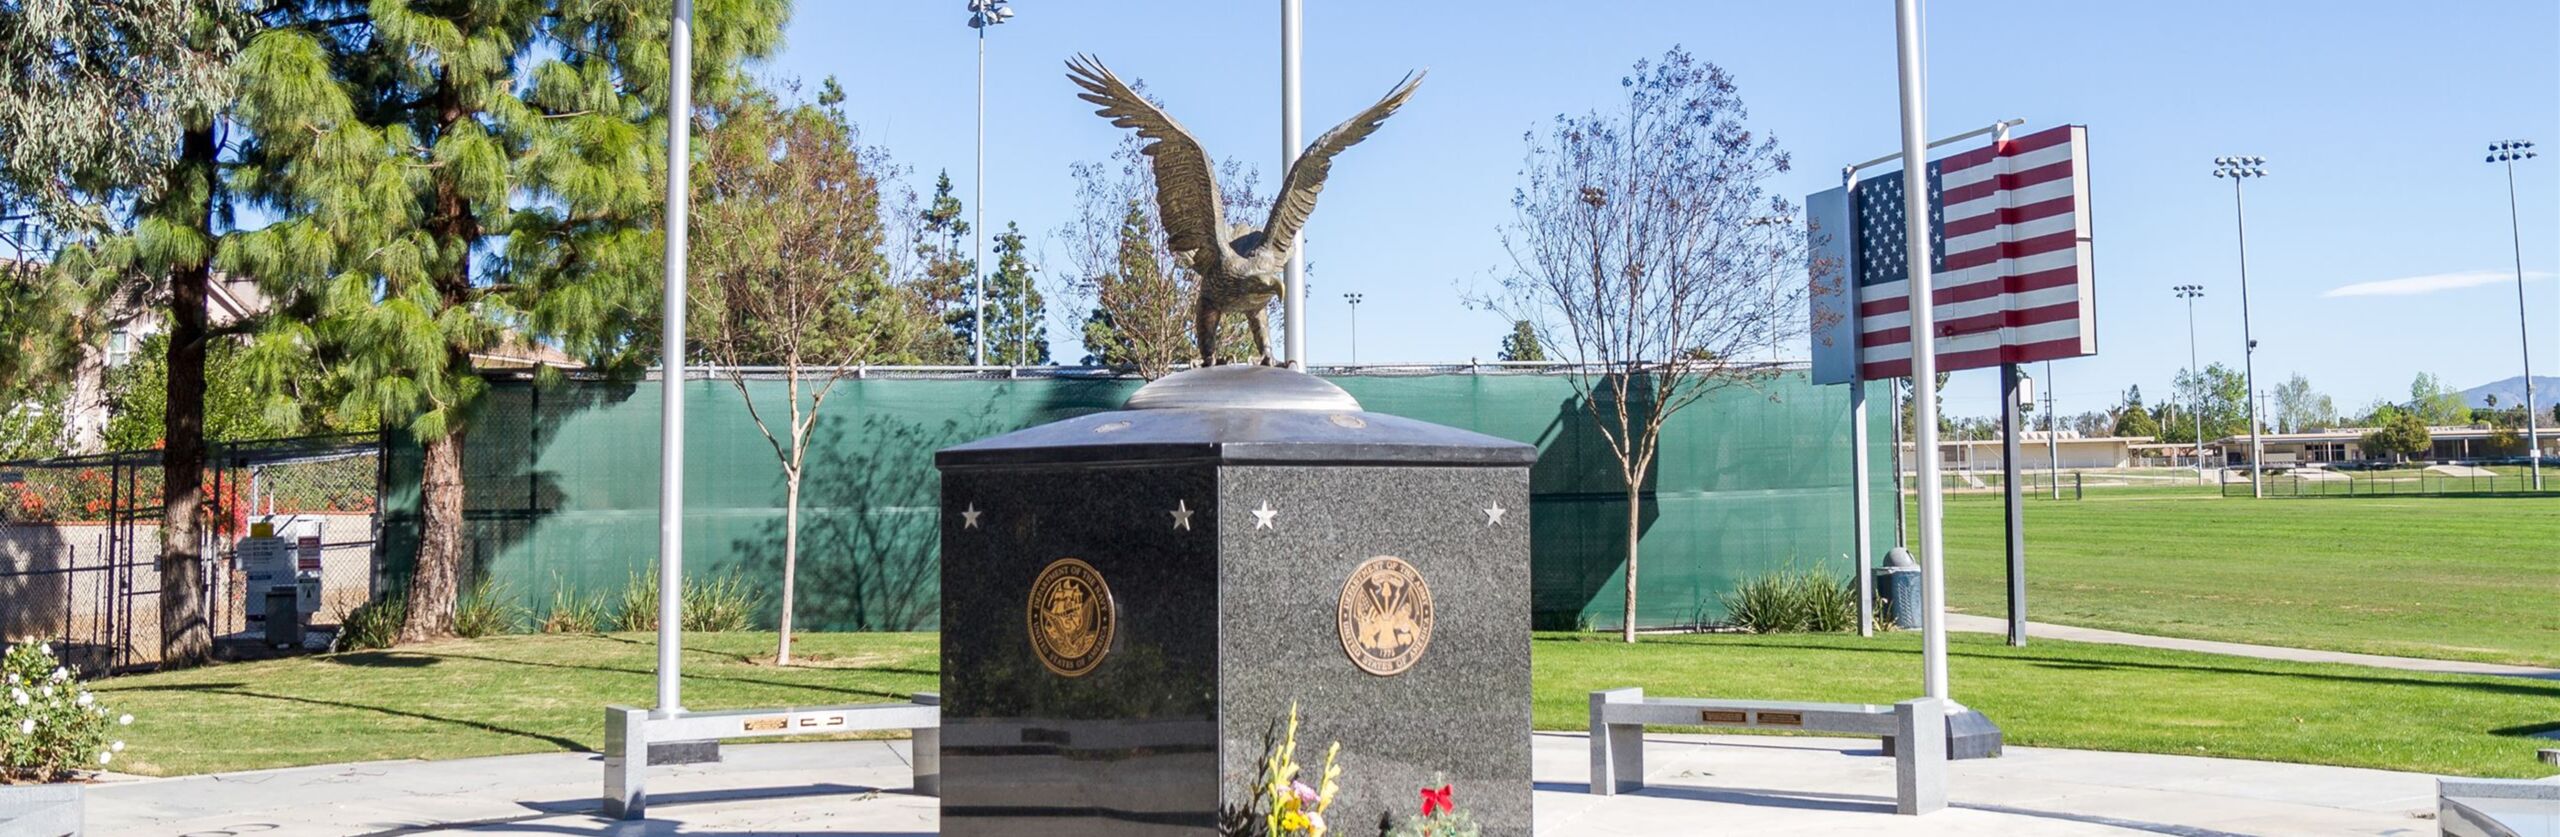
2009	262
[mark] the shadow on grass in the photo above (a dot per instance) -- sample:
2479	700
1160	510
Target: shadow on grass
2518	686
239	690
695	676
384	659
2545	731
752	660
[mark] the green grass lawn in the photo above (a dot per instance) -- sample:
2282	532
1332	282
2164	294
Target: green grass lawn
512	694
546	693
2455	577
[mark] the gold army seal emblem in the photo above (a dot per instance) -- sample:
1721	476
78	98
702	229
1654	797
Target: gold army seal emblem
1071	617
1385	616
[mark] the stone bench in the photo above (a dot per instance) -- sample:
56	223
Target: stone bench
629	732
1619	716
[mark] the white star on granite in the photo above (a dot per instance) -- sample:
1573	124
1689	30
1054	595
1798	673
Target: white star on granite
1493	516
1181	515
1262	516
969	516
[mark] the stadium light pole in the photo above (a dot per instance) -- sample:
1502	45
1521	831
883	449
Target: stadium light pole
1354	298
983	15
2239	169
2509	152
2195	405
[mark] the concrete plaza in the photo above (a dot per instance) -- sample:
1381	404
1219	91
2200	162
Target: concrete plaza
1698	784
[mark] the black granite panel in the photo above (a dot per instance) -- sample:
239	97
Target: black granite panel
1462	710
1129	748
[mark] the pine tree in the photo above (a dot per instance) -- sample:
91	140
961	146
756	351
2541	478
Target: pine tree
1017	317
1522	343
941	242
448	173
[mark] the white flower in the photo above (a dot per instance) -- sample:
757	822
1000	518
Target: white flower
45	692
117	746
126	720
26	726
86	698
59	674
47	649
104	757
18	696
12	678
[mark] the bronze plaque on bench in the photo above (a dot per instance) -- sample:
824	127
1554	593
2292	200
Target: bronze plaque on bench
1722	716
768	724
1782	719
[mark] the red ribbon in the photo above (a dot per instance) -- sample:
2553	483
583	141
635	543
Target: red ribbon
1435	801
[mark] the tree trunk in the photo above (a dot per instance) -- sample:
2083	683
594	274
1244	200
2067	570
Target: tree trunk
1635	522
433	587
185	638
790	558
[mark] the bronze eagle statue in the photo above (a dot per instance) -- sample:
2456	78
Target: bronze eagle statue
1239	266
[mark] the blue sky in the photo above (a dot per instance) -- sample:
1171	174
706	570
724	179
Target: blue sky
2373	118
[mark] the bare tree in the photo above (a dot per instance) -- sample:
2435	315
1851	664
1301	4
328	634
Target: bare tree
1646	248
790	271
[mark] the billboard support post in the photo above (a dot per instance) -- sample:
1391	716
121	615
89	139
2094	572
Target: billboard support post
2012	394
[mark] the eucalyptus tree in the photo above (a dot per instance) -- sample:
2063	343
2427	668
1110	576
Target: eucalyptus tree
110	141
448	172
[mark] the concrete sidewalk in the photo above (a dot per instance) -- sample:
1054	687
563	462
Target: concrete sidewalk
1970	623
1698	785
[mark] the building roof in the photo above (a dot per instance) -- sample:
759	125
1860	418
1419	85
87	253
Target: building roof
2357	434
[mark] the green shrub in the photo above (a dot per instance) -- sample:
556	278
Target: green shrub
488	610
1793	601
50	727
725	604
721	605
574	613
639	611
374	624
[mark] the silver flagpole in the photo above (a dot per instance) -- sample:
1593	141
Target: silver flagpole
1293	304
671	367
1924	361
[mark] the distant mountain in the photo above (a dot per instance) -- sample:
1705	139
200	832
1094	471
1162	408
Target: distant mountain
2510	392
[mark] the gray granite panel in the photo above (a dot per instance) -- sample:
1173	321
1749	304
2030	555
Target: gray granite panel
1461	711
1128	748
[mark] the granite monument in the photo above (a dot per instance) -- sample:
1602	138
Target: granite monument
1134	600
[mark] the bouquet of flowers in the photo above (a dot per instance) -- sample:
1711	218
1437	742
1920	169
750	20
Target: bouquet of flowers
1293	808
49	726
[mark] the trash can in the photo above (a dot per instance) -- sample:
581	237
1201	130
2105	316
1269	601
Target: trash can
284	618
1898	583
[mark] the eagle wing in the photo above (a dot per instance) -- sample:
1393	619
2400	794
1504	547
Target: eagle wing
1297	197
1186	182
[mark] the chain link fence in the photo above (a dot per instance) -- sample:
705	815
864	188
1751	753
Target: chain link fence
80	540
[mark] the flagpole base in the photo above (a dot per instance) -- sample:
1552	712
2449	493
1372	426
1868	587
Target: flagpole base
1970	735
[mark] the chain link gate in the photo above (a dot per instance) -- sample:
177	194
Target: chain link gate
80	539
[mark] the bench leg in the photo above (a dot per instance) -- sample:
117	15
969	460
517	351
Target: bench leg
626	762
1617	750
1920	756
925	751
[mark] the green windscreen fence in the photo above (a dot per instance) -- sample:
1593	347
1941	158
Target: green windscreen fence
561	486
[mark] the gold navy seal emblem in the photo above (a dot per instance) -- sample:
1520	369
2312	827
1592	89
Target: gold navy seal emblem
1071	617
1385	616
